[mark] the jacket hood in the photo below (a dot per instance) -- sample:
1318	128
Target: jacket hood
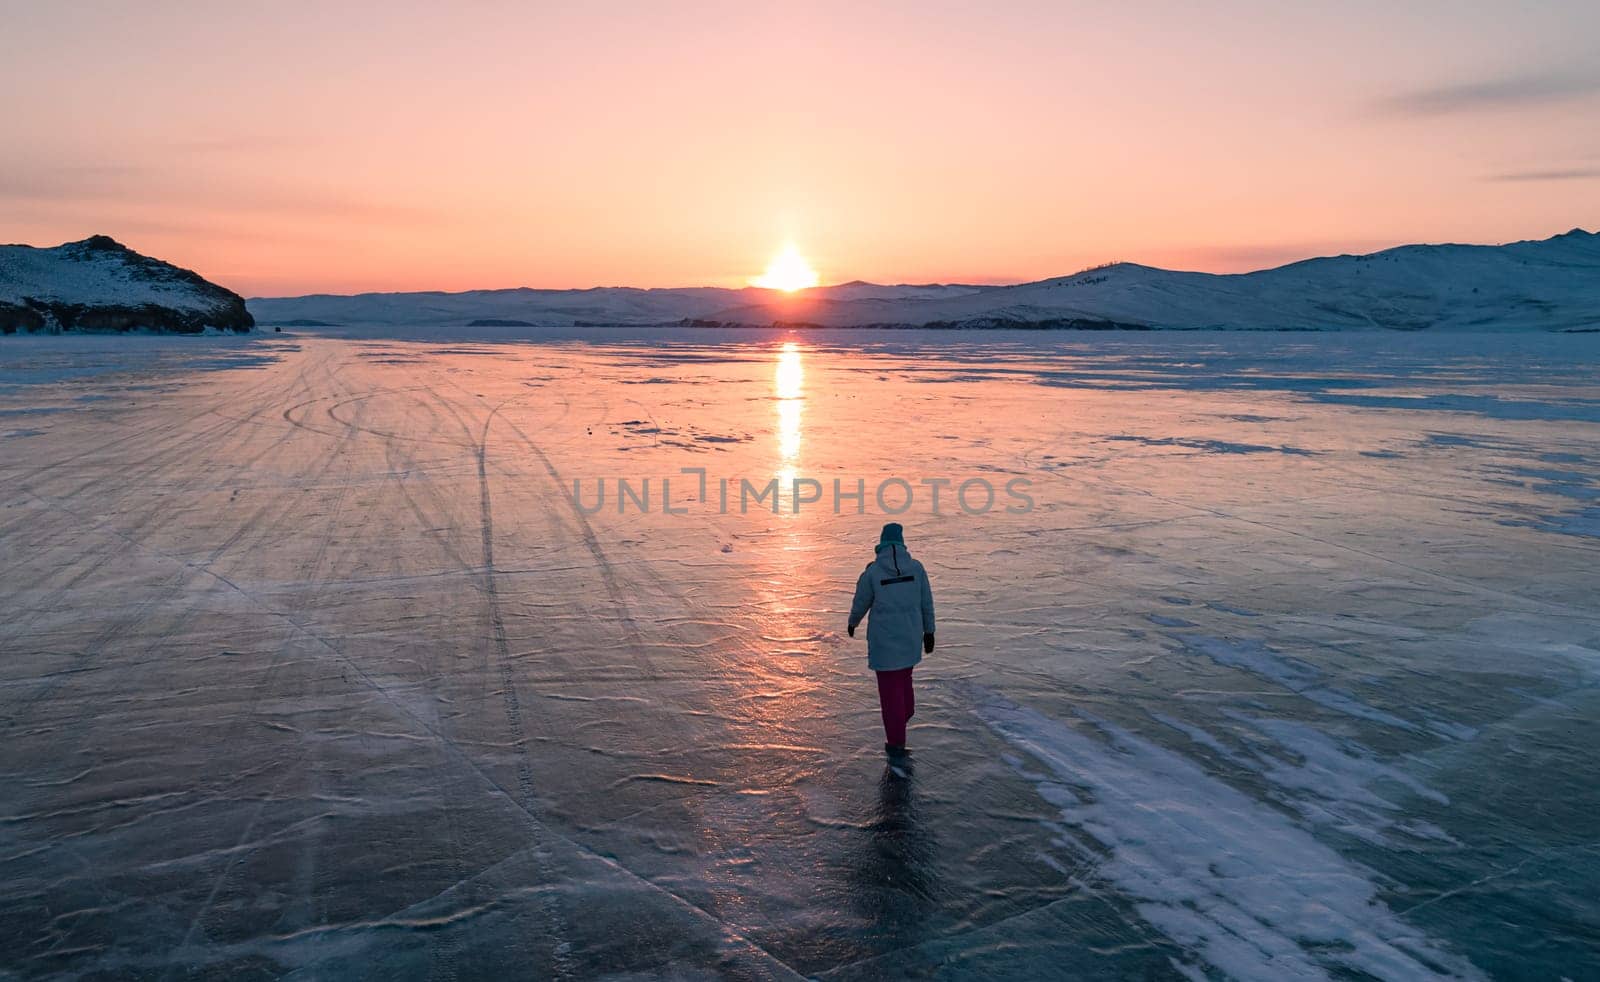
892	558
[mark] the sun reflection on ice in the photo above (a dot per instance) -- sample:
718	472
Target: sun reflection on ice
789	383
784	693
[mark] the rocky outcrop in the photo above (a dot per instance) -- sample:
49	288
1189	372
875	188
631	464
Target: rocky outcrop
101	285
14	318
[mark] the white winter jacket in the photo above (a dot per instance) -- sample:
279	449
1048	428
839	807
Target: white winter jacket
894	587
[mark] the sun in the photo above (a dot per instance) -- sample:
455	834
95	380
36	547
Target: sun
788	272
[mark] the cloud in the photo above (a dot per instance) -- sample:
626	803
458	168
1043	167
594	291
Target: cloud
133	187
225	145
1506	92
22	180
1567	174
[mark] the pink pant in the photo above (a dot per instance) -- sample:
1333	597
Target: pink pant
898	703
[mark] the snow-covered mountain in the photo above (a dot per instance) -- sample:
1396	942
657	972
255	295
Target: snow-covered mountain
1551	285
1548	285
100	284
563	308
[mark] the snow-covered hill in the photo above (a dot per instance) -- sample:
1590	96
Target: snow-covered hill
1548	285
564	308
1552	284
99	284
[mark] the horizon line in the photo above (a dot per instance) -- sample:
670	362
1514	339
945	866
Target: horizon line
976	283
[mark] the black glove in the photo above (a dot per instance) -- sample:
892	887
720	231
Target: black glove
927	644
852	629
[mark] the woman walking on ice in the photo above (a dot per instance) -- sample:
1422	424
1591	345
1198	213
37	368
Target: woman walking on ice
894	587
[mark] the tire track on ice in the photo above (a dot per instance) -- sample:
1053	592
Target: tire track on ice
556	920
153	519
333	457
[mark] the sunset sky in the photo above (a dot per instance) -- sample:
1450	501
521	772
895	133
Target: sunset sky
292	148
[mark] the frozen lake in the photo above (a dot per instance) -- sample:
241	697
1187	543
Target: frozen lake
310	664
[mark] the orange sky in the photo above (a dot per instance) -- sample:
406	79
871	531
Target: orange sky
293	148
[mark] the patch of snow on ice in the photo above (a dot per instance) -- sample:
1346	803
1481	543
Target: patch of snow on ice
1585	523
1305	680
1239	885
1195	734
1331	782
1162	620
